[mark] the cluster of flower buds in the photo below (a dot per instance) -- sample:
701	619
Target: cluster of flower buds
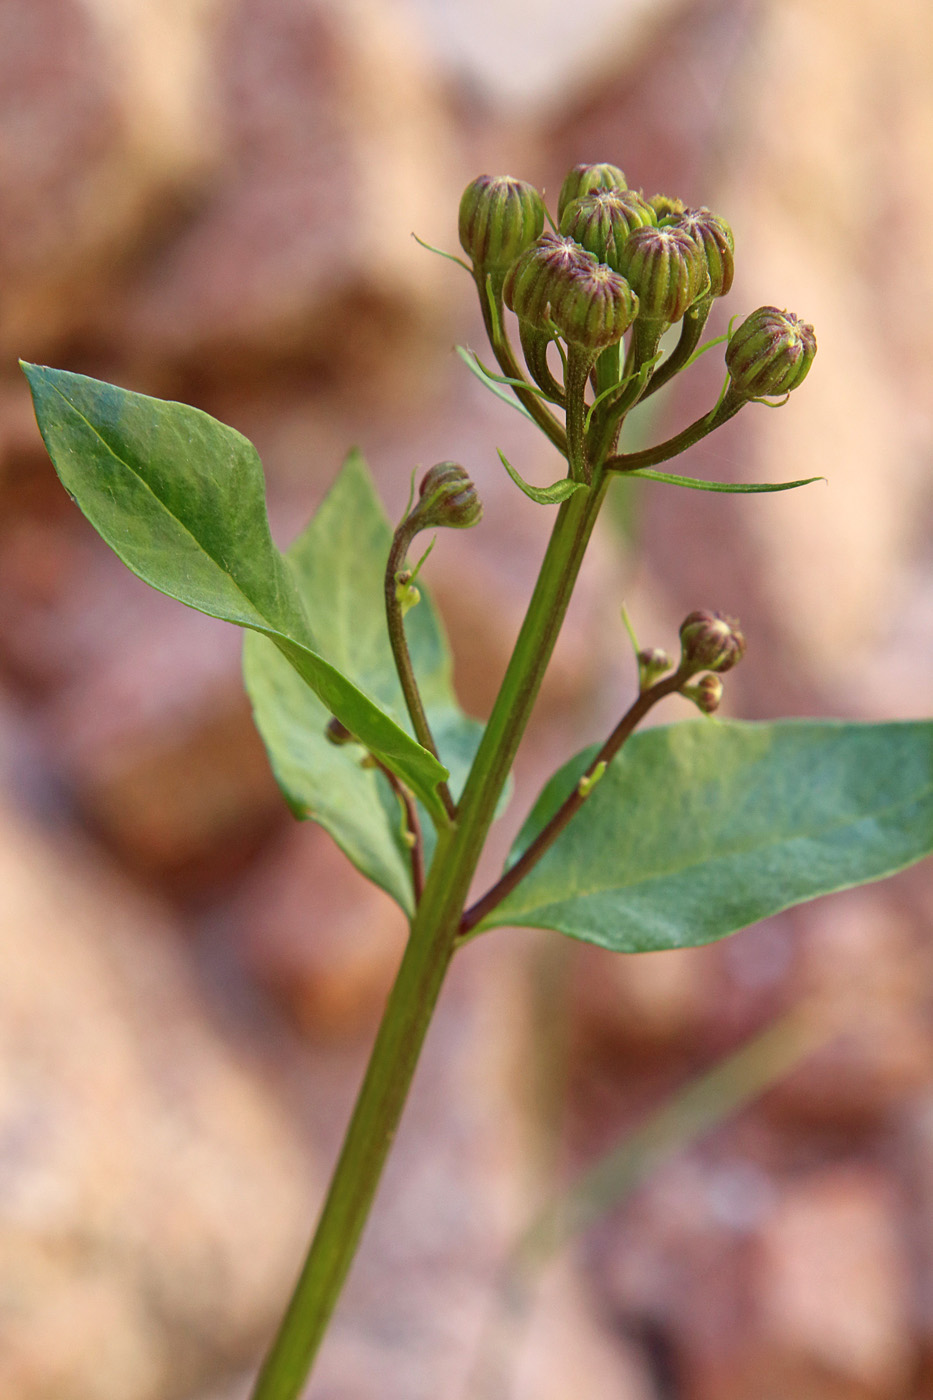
710	642
616	261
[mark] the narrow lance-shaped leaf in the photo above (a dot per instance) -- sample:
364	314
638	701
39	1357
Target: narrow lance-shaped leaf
699	829
180	498
542	495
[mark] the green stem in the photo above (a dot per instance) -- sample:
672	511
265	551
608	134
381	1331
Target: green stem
727	407
399	643
579	364
691	329
424	964
490	300
572	804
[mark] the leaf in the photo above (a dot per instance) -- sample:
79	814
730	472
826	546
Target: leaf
699	829
180	498
338	563
474	366
543	495
739	489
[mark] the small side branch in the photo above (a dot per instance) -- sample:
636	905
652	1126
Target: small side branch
548	834
413	836
406	672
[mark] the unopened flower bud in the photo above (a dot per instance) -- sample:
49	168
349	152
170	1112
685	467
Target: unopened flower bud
667	269
447	497
715	238
593	307
652	664
706	694
499	218
602	221
770	353
533	278
710	641
583	178
666	206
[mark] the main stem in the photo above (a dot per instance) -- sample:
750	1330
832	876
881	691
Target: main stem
424	964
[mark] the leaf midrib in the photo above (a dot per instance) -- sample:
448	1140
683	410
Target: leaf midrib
180	523
737	851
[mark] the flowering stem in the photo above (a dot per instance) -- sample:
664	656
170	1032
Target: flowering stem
427	955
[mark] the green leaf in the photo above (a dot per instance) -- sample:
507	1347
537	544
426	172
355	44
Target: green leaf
473	365
339	563
180	498
733	488
543	495
699	829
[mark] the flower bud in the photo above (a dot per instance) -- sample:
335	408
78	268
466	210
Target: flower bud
710	641
499	218
652	664
666	267
666	206
447	497
533	278
583	178
715	238
602	221
593	307
770	353
706	694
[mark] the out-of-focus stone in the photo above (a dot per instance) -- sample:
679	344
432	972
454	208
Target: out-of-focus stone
918	1141
106	123
533	65
323	939
654	1002
155	738
154	1198
867	968
832	1292
796	167
565	1352
338	146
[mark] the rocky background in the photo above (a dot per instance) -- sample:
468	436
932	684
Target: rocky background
212	200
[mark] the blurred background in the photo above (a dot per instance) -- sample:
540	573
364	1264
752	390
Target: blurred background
213	200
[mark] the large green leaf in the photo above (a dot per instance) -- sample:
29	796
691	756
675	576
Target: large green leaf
699	829
180	498
339	562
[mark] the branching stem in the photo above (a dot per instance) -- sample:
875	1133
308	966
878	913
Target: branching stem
548	834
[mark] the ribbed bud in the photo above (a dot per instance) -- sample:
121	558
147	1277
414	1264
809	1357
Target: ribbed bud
652	664
706	694
447	498
770	353
666	206
583	178
715	238
593	307
533	278
602	221
667	269
499	218
710	641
